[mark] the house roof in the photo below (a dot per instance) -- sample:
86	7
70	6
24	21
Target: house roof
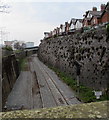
46	32
93	13
80	20
73	20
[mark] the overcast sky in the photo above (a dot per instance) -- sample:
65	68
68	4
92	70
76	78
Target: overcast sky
28	19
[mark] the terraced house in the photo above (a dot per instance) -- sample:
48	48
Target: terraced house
91	18
94	17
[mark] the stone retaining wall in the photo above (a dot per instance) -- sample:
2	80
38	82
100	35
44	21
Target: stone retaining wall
83	54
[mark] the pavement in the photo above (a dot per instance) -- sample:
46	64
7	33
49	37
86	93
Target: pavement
39	87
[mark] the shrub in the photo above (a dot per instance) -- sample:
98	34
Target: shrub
108	28
9	48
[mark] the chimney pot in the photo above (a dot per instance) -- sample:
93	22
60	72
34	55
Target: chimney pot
94	8
102	7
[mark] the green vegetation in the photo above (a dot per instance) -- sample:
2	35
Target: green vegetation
18	51
108	28
55	36
83	93
23	64
89	111
9	48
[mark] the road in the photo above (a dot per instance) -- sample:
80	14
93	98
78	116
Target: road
39	87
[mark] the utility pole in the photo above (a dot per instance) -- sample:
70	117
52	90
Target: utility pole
3	33
3	9
1	39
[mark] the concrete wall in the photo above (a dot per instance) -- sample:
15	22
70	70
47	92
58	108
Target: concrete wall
10	72
89	49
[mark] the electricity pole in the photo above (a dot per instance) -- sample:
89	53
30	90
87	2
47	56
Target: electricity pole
2	36
3	9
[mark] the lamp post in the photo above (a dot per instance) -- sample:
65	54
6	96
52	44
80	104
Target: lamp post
2	34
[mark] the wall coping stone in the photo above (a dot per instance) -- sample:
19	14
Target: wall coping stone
85	110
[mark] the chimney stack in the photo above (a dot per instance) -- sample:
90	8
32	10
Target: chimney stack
102	7
94	9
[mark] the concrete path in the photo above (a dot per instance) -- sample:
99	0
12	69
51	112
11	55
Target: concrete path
39	87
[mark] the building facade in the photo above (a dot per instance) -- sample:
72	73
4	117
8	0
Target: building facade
29	44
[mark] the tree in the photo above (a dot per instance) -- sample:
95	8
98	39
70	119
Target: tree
17	45
23	45
9	48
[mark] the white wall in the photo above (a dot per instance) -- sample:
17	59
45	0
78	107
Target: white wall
78	25
72	26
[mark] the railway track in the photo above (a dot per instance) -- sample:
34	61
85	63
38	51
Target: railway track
38	87
56	93
35	90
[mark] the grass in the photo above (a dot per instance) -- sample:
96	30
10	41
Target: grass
83	93
23	64
17	51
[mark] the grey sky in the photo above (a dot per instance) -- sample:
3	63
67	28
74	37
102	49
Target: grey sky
27	21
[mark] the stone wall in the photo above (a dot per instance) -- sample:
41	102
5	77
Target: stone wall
10	72
83	54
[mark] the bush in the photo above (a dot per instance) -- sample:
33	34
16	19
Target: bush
108	28
9	48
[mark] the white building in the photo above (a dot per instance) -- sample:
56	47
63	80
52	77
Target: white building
29	44
78	23
46	34
72	24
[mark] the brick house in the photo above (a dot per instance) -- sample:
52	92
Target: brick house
66	27
58	30
86	22
105	14
95	17
91	17
95	20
